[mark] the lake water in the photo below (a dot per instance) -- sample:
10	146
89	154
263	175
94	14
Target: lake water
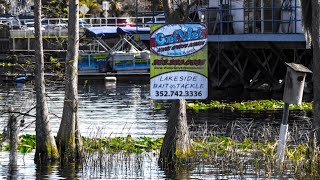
108	109
120	109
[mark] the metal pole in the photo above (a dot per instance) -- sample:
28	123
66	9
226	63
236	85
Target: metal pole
137	15
262	16
253	15
295	16
283	135
272	16
153	12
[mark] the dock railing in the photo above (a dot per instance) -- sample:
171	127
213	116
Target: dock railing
252	16
222	17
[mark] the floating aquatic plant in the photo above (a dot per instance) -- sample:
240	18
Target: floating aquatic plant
126	144
27	143
257	105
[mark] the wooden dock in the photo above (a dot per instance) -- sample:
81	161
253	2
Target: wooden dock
245	50
136	76
118	77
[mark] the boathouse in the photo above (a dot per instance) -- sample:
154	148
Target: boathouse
249	40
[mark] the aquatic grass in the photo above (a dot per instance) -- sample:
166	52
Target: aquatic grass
122	144
257	105
229	156
255	156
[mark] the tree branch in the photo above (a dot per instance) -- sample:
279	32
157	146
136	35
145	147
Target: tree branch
193	3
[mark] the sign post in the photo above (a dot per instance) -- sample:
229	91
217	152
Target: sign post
179	61
293	92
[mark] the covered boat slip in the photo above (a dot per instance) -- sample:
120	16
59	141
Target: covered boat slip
250	41
126	54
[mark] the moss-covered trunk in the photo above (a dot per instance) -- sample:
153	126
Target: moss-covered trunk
176	145
46	149
316	67
69	138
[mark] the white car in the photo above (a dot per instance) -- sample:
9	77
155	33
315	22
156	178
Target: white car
54	23
31	28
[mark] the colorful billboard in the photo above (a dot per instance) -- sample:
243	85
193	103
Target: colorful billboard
179	61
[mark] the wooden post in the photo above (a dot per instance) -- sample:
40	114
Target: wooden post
293	92
283	135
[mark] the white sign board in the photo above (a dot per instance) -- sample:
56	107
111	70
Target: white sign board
179	61
83	9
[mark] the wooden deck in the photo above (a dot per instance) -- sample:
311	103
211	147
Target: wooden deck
119	77
242	60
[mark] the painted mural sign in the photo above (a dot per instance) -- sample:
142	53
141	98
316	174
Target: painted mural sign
179	61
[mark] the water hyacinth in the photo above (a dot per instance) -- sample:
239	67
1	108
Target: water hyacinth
224	153
122	144
257	105
127	144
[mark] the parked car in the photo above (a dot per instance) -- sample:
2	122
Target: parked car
30	27
11	22
54	23
124	22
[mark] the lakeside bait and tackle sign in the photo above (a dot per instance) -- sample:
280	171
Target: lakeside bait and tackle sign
179	61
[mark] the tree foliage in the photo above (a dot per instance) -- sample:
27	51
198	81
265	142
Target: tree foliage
95	9
115	8
55	8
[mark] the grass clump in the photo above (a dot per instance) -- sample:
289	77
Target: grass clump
229	155
257	105
122	144
127	144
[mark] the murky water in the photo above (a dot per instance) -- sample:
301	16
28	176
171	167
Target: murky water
119	109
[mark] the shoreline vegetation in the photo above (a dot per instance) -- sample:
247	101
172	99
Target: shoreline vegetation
253	156
256	158
256	105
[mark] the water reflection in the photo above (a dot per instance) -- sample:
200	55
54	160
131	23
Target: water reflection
69	170
48	171
23	169
12	167
182	172
122	166
119	109
105	109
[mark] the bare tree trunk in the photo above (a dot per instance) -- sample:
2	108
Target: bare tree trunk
46	148
176	144
69	138
13	138
316	67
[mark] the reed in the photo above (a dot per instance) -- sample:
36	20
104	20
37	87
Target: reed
241	154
